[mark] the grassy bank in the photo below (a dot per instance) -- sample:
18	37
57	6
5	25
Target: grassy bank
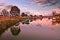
6	22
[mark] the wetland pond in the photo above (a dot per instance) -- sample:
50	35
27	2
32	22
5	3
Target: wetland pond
34	30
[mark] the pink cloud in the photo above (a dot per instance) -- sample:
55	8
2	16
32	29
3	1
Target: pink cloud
45	2
5	6
58	7
47	12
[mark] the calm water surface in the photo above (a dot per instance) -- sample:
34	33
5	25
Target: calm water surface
38	29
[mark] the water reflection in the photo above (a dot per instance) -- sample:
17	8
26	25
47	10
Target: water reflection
15	30
35	26
3	27
55	21
26	21
2	31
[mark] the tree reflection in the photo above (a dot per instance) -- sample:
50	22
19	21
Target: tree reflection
17	24
15	30
4	26
55	21
31	20
26	21
2	31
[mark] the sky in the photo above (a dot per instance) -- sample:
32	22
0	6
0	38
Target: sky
35	7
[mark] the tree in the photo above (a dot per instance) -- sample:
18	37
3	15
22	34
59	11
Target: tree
41	17
54	12
35	15
15	11
31	15
5	12
23	14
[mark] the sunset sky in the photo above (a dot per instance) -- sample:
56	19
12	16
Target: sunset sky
44	7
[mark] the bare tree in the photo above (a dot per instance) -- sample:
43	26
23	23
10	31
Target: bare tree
5	12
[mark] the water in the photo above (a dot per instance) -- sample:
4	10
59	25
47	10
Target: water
36	30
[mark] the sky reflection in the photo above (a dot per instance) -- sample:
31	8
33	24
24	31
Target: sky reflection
38	30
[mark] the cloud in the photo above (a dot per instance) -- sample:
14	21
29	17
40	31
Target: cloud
5	6
8	6
58	7
2	4
46	2
44	13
